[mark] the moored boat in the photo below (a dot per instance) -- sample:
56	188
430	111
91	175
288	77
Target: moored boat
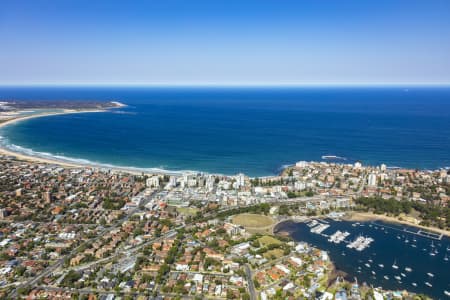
394	266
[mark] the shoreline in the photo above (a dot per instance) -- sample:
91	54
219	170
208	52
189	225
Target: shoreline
30	158
366	217
67	163
78	162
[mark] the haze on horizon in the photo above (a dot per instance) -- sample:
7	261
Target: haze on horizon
224	42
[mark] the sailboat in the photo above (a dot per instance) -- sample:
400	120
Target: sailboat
394	266
430	274
446	257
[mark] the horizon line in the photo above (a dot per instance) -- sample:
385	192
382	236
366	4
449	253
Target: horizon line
231	84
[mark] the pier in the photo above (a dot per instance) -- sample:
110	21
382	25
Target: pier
419	232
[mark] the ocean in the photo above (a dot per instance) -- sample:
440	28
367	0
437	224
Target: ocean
391	245
253	130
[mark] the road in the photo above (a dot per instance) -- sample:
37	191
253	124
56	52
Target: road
251	285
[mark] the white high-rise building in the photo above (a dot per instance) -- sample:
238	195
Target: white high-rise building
299	185
301	164
372	180
240	180
153	181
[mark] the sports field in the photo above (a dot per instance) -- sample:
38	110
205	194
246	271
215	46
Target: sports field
254	223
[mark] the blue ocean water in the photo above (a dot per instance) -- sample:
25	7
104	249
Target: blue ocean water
391	245
251	130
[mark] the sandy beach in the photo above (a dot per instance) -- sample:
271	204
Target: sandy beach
363	216
21	156
69	164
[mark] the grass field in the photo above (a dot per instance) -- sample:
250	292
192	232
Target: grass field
189	211
254	223
268	240
273	254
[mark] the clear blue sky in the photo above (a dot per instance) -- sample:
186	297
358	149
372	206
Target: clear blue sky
224	41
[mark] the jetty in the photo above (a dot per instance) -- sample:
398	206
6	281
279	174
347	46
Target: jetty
338	236
419	232
360	243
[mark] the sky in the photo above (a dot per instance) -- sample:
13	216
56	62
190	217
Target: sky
224	42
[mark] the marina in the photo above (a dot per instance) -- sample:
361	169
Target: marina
338	237
360	243
381	254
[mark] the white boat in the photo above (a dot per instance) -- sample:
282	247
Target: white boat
367	265
446	257
430	274
403	274
429	284
398	278
447	293
414	284
386	277
373	273
432	254
371	261
381	265
408	269
394	266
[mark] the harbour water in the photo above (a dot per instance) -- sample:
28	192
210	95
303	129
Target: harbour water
395	259
229	130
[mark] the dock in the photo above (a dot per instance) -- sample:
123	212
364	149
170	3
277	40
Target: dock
419	232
